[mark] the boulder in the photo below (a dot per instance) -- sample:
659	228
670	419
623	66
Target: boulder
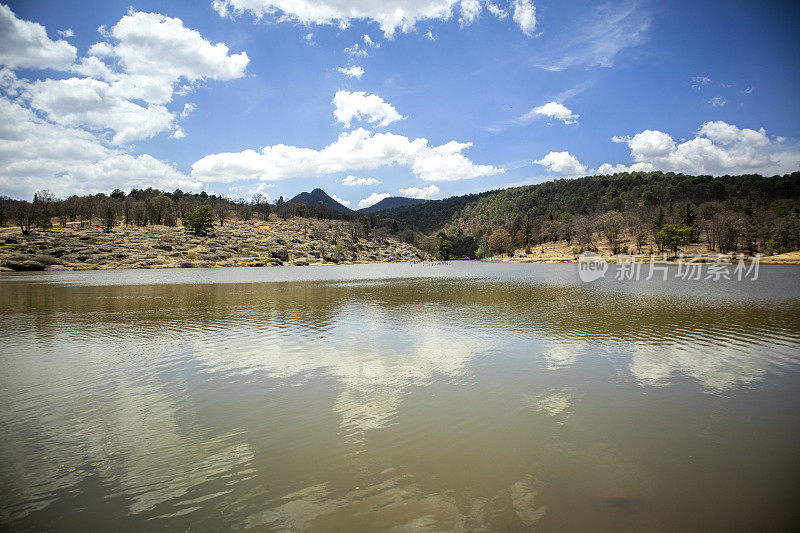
280	253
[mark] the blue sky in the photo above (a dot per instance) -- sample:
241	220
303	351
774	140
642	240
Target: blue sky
451	97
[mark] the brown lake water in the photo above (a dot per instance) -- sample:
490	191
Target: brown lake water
463	397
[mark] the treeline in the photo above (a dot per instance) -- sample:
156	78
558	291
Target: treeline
748	213
143	207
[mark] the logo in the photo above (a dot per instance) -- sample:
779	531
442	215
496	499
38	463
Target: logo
591	267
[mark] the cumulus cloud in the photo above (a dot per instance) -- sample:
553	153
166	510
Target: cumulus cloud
391	16
420	192
37	154
718	148
342	201
359	105
372	199
351	151
130	77
93	104
66	33
24	44
353	71
563	163
597	38
155	52
552	110
60	133
352	181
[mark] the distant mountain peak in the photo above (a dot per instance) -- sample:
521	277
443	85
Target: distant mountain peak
318	197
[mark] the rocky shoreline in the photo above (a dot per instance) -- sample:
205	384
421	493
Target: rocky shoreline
275	242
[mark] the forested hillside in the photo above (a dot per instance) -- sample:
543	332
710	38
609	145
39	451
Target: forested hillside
733	213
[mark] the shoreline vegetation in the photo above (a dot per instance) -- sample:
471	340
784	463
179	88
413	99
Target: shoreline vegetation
640	214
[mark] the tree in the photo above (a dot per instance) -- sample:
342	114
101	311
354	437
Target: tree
25	215
673	236
611	225
109	214
500	241
445	246
42	204
199	220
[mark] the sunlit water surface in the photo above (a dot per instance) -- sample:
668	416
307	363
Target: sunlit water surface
456	397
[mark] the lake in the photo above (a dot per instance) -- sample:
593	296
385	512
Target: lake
466	396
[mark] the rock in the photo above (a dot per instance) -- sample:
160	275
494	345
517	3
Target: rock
280	253
11	240
300	262
24	265
57	252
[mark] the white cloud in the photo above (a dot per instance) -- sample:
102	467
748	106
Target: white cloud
352	181
718	148
368	40
370	108
24	44
150	54
187	109
698	82
420	192
552	110
563	163
596	39
66	33
372	199
155	52
470	10
94	67
178	134
402	15
496	10
353	71
748	90
356	51
352	151
525	16
430	36
342	201
92	103
36	154
717	101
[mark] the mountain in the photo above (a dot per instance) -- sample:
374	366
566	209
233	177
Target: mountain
318	197
391	203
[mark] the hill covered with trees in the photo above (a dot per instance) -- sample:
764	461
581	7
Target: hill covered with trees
747	213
